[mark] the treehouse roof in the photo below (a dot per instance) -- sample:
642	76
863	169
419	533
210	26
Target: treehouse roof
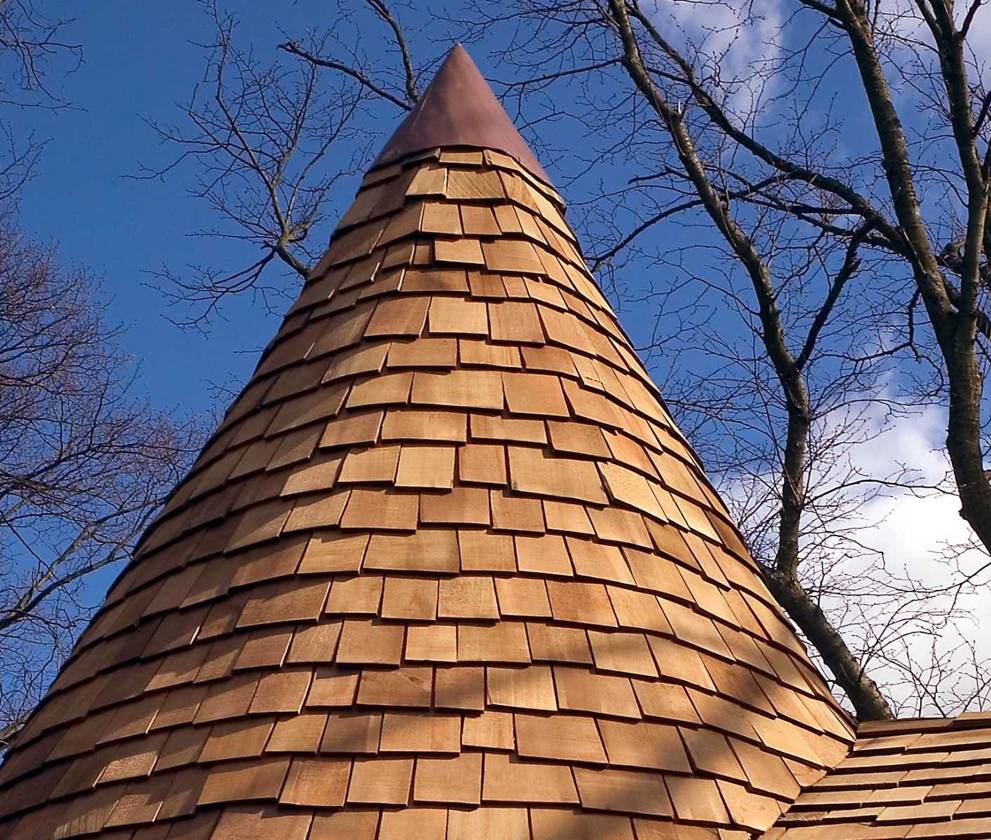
446	569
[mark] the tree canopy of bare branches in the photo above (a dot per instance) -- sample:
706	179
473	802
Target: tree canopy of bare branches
268	140
30	43
798	191
84	463
862	256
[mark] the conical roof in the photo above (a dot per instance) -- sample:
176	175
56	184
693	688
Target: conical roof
459	109
446	569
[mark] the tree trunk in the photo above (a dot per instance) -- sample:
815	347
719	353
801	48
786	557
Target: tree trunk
863	692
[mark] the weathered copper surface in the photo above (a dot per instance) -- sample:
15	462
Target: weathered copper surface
459	109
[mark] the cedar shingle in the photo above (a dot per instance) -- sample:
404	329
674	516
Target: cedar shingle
515	321
298	734
581	690
393	511
559	737
554	643
511	255
281	691
626	791
245	823
371	643
406	686
491	729
459	688
482	463
456	780
543	555
473	352
624	653
409	598
458	316
562	478
442	218
504	641
356	595
516	513
352	733
598	560
493	823
522	597
463	251
486	552
317	643
509	780
333	551
500	429
386	389
381	781
403	316
426	467
353	824
458	389
263	647
244	780
413	822
643	744
458	506
479	221
697	799
424	353
433	550
425	425
316	781
467	597
432	643
521	688
555	823
711	753
580	603
421	733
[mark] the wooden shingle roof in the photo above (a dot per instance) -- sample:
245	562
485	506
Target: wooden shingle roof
447	569
903	779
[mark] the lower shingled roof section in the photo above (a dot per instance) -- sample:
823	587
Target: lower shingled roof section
927	778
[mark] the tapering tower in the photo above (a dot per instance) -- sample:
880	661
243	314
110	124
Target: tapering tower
447	569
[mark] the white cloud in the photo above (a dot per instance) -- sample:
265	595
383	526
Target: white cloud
913	532
732	41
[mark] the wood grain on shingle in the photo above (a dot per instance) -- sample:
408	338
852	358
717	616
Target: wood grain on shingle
447	565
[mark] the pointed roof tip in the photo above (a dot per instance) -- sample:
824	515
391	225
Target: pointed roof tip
458	108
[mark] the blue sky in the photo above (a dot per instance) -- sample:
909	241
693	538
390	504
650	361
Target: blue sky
140	60
140	63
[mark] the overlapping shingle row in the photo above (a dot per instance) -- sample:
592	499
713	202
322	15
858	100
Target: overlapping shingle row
926	778
446	569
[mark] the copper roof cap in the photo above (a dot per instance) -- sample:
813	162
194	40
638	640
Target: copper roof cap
459	109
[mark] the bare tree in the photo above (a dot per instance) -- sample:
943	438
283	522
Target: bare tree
30	40
775	225
755	161
268	141
30	43
84	463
